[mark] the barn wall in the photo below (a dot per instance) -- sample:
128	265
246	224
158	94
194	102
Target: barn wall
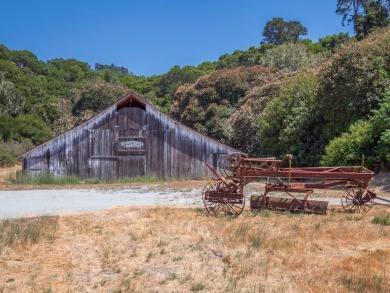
128	142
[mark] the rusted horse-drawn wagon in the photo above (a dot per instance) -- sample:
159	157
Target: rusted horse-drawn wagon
225	194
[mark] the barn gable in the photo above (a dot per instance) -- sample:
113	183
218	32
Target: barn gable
130	138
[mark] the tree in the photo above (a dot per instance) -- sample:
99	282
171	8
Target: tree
11	101
375	16
277	31
334	41
353	10
349	9
112	67
95	96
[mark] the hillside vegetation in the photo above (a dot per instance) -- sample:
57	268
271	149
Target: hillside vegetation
321	102
332	113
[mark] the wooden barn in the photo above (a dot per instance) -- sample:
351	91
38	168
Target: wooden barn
130	138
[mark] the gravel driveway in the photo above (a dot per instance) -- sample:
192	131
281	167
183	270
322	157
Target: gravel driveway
44	202
20	203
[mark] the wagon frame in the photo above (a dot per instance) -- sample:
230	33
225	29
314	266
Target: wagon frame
225	193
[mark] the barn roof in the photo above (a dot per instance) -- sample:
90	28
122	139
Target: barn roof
130	99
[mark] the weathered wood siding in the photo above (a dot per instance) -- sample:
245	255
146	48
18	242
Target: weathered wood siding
127	141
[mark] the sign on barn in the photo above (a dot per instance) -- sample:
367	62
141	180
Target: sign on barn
130	138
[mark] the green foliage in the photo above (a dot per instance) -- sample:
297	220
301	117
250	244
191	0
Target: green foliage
353	84
359	11
349	10
278	31
209	104
23	127
42	179
95	96
6	158
32	127
375	16
112	67
174	78
11	101
365	137
248	57
314	48
380	122
290	57
334	41
26	59
347	149
289	121
382	220
6	127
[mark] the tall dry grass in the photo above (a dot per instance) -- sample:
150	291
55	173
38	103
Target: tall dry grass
183	250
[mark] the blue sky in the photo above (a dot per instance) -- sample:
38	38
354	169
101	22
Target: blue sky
150	36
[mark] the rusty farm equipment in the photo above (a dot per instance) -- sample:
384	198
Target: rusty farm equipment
225	193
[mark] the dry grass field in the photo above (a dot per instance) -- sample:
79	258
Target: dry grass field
183	250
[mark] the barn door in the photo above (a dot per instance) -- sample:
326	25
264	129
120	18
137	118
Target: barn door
131	166
131	152
103	162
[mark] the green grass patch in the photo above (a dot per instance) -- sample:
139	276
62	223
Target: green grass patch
25	231
27	178
382	220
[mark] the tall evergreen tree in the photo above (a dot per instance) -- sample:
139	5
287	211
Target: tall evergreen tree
278	31
353	10
350	10
375	16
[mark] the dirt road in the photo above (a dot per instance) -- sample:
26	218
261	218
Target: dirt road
18	203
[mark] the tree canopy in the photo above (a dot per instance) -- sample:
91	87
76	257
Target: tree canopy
278	31
375	16
363	14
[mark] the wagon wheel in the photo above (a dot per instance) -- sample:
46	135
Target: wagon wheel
356	200
229	163
222	200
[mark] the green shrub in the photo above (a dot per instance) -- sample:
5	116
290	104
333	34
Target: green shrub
348	149
6	158
288	122
370	138
291	57
353	83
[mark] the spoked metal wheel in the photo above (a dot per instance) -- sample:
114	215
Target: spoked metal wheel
229	163
356	200
223	200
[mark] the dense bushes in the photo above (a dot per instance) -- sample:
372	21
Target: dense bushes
289	121
365	137
209	104
6	158
354	82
